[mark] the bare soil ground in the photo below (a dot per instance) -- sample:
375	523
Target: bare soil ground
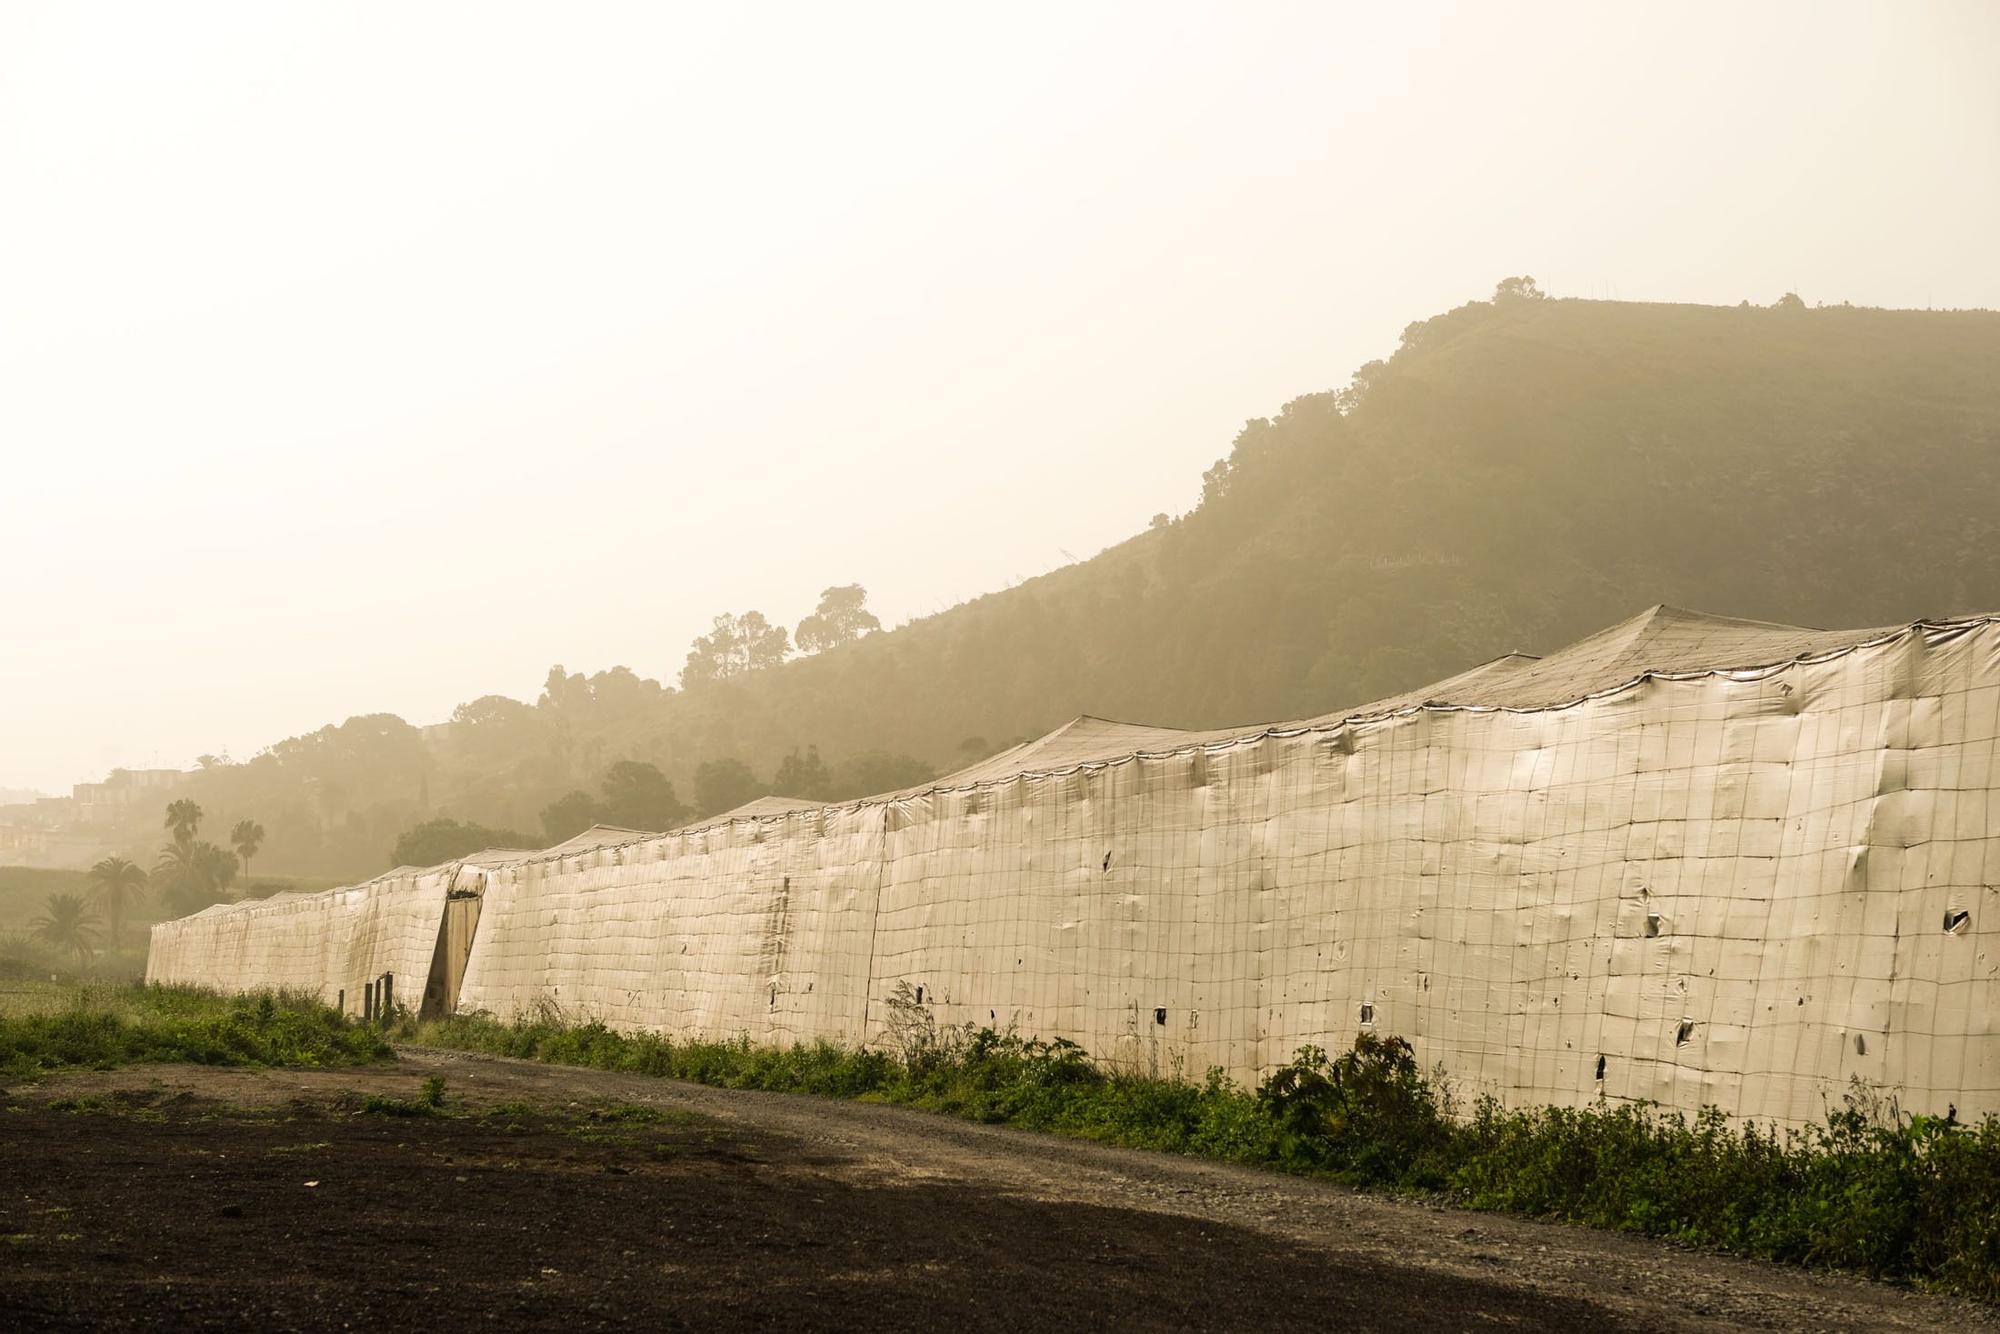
178	1197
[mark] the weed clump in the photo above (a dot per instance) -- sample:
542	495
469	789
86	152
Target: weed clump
428	1102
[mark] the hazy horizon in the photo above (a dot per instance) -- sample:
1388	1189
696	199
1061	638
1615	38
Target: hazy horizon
374	361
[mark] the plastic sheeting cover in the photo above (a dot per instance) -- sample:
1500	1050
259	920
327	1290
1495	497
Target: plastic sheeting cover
1739	863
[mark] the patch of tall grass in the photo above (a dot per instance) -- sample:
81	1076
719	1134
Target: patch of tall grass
45	1028
1909	1198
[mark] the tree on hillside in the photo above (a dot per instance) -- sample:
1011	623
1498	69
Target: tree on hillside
497	713
721	785
638	796
247	837
1215	482
66	924
444	840
569	815
805	776
184	818
736	645
609	695
370	759
565	691
842	618
1522	288
114	882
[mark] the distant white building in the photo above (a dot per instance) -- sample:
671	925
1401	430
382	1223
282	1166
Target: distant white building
101	803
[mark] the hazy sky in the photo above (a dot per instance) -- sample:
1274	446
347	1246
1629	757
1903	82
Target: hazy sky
375	357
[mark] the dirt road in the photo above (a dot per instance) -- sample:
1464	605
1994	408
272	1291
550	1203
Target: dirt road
178	1197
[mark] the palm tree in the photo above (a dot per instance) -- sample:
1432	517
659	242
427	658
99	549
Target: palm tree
191	875
117	879
183	817
67	925
217	866
175	876
247	836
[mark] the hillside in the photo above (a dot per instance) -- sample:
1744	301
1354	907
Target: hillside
1519	473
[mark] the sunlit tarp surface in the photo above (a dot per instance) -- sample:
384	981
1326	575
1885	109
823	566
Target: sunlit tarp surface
1689	859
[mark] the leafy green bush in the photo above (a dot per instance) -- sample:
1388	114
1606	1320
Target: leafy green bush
1369	1116
1915	1198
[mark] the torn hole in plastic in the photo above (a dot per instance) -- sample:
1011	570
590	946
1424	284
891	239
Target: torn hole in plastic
1685	1033
920	994
1159	1014
1956	920
1652	924
1367	1012
1860	1045
1107	861
1600	1069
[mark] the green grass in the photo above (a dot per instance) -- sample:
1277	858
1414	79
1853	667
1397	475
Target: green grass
44	1028
1895	1197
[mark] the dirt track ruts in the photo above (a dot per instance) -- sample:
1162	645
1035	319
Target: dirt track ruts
772	1211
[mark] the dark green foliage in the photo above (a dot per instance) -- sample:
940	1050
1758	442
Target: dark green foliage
1891	1196
874	771
721	785
190	873
638	796
106	1027
67	926
569	815
803	776
1895	1197
443	840
1369	1115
